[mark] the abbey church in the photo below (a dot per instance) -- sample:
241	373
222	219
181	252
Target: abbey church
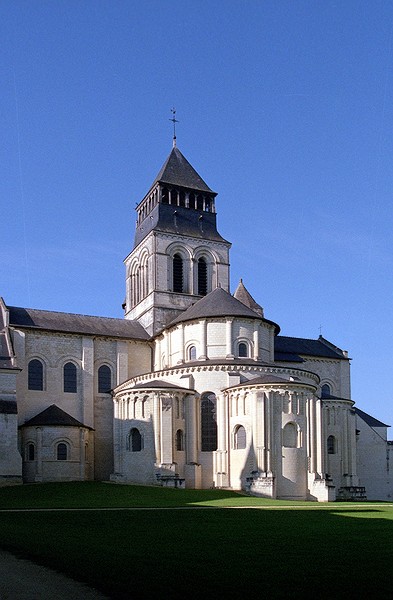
194	388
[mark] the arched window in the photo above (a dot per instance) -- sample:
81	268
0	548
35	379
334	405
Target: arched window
239	438
104	379
69	377
208	422
30	451
331	445
35	375
177	273
325	391
62	451
192	353
144	278
289	435
243	350
202	277
136	441
179	440
135	299
144	406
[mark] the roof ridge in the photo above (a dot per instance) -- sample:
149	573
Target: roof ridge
63	312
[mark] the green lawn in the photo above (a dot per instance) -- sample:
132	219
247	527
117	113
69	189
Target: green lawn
295	550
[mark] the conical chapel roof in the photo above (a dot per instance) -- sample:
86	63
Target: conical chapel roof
219	303
244	296
177	171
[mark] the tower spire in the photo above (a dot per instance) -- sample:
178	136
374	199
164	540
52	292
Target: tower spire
174	121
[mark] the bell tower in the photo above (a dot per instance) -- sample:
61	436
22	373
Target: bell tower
178	254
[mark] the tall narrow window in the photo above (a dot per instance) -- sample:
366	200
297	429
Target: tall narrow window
135	440
192	353
30	452
325	391
243	350
35	375
239	440
62	451
289	435
208	422
202	277
69	377
331	445
177	273
179	440
104	379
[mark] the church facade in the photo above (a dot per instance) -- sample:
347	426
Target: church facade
194	388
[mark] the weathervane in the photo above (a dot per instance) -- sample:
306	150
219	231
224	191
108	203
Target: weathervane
174	121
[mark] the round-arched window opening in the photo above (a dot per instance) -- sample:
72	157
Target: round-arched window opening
243	350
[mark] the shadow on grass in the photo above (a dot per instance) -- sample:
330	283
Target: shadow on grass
304	553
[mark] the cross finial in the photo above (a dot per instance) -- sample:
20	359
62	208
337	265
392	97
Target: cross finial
320	330
174	121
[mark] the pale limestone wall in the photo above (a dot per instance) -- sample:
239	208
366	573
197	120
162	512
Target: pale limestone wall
336	373
157	416
339	422
10	458
91	408
45	466
228	467
214	339
160	305
374	465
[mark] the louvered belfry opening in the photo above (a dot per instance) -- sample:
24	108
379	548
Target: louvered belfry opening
177	273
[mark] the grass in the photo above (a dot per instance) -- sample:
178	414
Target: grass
317	551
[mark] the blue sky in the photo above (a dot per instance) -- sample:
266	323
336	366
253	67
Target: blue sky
285	109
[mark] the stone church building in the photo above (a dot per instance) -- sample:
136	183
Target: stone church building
193	388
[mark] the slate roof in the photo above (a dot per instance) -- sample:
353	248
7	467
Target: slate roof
244	296
265	379
292	349
177	171
55	417
157	384
371	421
179	220
72	323
218	303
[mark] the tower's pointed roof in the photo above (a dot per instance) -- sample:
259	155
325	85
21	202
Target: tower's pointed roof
177	171
244	296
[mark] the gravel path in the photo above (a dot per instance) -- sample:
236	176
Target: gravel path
21	579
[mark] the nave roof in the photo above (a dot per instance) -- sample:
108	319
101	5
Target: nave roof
291	349
75	323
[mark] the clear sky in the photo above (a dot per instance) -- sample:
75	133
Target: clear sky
285	109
